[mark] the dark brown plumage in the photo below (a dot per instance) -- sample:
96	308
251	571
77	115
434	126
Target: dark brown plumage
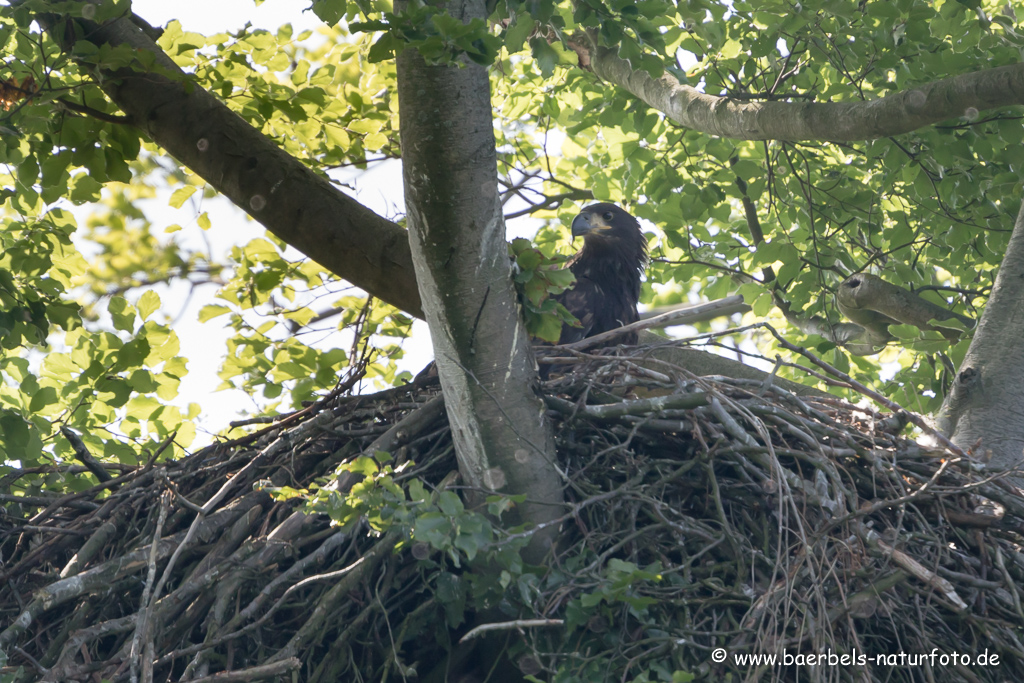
607	269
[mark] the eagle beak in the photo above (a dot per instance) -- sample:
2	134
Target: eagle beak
587	222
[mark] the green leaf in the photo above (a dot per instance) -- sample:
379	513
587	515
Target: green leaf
762	305
148	303
519	244
375	141
547	327
362	465
15	435
122	313
46	396
545	56
561	278
210	311
904	331
432	528
450	592
450	503
330	11
179	196
518	31
132	354
85	189
59	366
529	260
384	48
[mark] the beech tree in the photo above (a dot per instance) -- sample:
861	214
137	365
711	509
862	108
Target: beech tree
778	150
852	169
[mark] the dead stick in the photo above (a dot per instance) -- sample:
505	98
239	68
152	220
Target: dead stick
509	625
255	673
679	316
83	454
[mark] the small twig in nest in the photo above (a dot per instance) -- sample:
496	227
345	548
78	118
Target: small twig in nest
510	625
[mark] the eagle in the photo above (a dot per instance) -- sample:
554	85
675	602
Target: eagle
607	269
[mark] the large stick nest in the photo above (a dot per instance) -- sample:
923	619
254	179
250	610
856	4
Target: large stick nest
704	515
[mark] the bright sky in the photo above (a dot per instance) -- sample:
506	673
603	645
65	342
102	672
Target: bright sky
212	16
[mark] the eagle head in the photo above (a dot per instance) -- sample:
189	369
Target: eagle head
605	226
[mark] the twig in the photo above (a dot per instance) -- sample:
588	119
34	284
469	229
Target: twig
31	660
142	639
94	113
940	584
255	673
509	625
84	456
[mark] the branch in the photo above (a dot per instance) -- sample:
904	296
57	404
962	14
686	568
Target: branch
518	624
94	113
873	395
857	340
292	201
870	301
679	316
550	202
872	304
84	456
457	237
693	317
894	114
871	537
255	673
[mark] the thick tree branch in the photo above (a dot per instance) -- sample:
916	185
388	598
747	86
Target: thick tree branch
692	317
457	234
871	302
843	121
295	203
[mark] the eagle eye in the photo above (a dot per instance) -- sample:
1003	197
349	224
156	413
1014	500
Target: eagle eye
607	215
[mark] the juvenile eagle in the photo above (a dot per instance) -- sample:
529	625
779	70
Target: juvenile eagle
607	270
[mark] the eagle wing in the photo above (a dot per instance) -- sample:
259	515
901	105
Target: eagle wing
583	301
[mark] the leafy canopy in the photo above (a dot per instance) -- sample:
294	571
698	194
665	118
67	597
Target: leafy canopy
87	342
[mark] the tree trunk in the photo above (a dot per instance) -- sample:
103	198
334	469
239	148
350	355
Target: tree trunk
457	235
985	408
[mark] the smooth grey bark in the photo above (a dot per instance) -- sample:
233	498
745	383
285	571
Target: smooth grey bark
870	301
873	304
984	411
287	197
457	234
894	114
